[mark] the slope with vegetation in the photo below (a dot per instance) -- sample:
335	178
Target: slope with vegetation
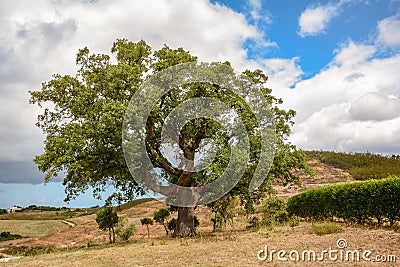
362	166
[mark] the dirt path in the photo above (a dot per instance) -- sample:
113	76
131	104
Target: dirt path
70	224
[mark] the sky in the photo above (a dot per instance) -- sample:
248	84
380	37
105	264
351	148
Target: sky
335	62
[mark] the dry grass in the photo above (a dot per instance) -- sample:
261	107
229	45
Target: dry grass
237	248
224	249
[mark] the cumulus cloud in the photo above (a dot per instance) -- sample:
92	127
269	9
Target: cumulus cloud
375	107
42	37
351	105
282	73
389	31
314	20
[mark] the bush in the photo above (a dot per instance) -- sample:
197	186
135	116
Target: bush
124	233
253	223
274	211
326	228
29	251
172	224
360	202
4	236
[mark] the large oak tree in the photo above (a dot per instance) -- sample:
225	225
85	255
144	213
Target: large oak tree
83	117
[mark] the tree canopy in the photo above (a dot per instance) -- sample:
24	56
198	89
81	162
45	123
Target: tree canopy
83	118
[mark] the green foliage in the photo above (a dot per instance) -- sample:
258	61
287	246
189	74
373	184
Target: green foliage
293	222
4	236
326	228
147	222
124	232
196	221
161	216
107	219
3	211
224	209
218	222
83	116
274	211
171	225
29	251
360	202
362	166
253	223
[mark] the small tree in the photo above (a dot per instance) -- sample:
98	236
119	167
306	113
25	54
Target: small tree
224	210
147	222
107	219
161	216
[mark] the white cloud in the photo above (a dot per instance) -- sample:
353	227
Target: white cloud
389	31
375	107
42	37
351	105
257	12
282	73
314	20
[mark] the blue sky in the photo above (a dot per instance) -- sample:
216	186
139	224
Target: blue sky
335	62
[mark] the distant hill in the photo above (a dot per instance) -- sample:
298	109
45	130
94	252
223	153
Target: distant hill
362	166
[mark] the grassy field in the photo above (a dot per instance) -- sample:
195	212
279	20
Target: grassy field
32	228
85	245
238	248
47	215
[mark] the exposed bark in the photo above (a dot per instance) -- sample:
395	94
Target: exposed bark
185	225
113	234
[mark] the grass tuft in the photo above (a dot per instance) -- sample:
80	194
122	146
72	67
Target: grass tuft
326	228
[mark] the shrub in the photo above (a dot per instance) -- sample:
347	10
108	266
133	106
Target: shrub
274	210
29	251
326	228
123	232
359	202
172	224
4	236
253	223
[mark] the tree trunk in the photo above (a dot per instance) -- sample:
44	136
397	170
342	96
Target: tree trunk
113	235
109	235
148	231
165	227
185	225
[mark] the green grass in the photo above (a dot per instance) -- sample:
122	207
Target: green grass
133	203
47	215
31	228
326	228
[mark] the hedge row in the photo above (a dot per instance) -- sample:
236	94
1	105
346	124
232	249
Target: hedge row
359	202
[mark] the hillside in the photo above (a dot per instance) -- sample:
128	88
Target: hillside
234	247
